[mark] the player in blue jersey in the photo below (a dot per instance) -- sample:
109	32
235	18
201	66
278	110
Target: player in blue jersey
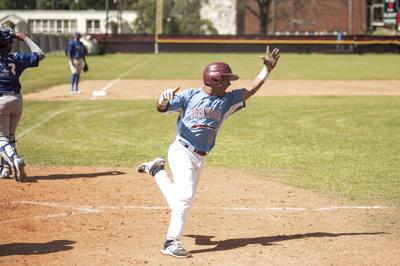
201	114
76	53
11	67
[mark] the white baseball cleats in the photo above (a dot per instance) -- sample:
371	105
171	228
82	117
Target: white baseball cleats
5	172
153	167
20	174
174	248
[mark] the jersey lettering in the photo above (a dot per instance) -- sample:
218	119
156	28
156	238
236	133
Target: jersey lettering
201	116
12	65
205	113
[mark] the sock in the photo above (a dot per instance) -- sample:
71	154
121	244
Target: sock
73	81
77	81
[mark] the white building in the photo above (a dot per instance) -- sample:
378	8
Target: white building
222	14
68	22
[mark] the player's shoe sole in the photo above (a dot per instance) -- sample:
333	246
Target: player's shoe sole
20	173
166	252
153	167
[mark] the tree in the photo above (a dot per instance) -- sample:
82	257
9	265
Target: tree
78	4
179	17
65	4
145	21
187	19
17	4
262	14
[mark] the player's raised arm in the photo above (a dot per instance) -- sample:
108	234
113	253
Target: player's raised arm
33	46
165	97
269	61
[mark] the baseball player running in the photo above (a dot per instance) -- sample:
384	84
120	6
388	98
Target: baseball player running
201	113
11	67
76	59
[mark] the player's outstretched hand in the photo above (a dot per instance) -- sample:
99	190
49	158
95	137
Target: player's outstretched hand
168	95
271	59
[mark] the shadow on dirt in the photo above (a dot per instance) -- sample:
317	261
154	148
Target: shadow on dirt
265	241
70	176
35	248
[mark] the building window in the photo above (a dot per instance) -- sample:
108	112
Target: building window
35	25
93	26
59	26
52	26
66	26
73	26
45	26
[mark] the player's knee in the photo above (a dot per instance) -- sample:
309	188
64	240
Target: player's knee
184	202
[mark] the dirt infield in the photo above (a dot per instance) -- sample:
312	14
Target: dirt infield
115	216
99	216
151	89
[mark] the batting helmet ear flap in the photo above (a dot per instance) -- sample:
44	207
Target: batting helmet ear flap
215	80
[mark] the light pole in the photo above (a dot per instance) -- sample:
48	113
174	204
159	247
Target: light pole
350	16
158	26
107	9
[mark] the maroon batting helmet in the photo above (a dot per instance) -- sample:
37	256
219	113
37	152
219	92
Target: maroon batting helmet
215	72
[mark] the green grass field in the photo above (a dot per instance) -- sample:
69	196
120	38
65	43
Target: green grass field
339	145
54	70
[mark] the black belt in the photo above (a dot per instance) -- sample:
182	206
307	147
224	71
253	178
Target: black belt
201	153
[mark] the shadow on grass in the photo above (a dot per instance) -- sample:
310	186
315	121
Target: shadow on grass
70	176
35	248
265	241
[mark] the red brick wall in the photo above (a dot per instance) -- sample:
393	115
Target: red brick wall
312	16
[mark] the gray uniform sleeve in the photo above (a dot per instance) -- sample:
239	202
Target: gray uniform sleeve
34	48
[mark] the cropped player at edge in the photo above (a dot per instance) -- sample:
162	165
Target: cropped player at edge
11	104
201	113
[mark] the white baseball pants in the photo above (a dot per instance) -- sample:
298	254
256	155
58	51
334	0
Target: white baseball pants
76	66
11	106
185	166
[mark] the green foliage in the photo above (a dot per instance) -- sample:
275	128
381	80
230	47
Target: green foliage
339	145
61	4
146	17
179	17
185	19
17	4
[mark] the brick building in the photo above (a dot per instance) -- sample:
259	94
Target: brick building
304	17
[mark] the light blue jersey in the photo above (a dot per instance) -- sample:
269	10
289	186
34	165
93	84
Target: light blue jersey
201	115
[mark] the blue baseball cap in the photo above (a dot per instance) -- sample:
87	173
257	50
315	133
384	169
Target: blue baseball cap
76	33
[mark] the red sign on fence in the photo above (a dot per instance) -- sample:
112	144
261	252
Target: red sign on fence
391	13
